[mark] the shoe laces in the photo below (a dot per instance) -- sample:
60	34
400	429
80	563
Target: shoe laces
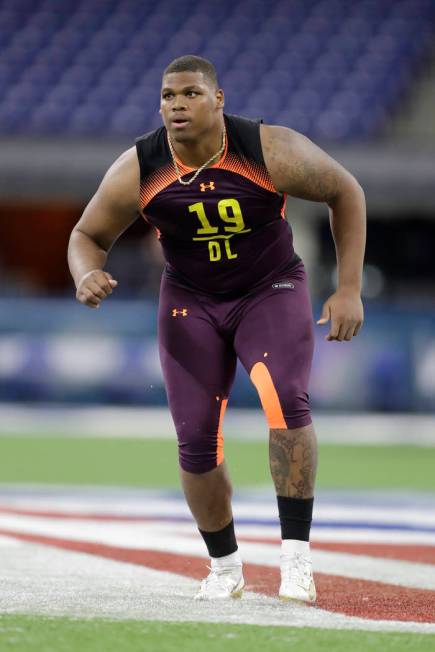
219	578
296	568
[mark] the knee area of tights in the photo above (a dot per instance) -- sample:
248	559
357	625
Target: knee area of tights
292	421
292	412
196	465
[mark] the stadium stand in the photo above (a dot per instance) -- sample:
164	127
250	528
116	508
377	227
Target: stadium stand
94	67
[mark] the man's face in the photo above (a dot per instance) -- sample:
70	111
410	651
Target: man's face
190	105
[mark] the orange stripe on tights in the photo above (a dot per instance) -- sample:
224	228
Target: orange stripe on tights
262	380
220	437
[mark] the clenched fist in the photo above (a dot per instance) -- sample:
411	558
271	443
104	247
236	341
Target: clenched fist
94	287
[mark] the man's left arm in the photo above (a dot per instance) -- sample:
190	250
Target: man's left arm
301	169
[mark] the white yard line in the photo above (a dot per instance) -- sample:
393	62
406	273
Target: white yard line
124	535
371	536
44	581
122	422
9	542
245	509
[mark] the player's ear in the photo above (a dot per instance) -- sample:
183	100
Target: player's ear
220	99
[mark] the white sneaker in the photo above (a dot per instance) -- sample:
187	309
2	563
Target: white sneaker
221	583
297	581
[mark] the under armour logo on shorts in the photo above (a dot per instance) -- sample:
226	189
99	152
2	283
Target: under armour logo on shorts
182	312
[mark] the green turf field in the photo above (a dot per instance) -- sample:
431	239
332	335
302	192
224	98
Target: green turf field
153	463
29	634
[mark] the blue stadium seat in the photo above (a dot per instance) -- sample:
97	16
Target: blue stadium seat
329	68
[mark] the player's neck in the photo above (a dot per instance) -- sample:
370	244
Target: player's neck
194	153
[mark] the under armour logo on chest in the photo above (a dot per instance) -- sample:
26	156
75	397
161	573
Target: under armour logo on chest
207	186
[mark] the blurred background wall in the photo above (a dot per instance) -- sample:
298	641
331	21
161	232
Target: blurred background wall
79	80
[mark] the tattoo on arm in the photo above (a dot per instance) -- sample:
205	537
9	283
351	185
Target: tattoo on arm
300	168
310	182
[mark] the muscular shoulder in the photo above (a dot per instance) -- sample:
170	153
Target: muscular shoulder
299	167
277	143
120	184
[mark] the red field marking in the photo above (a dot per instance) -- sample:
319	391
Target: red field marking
40	513
349	596
400	551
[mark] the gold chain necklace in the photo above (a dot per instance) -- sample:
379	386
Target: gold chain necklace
199	170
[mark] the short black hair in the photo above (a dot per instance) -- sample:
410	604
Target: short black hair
193	63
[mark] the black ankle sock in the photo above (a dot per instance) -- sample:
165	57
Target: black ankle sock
220	543
295	515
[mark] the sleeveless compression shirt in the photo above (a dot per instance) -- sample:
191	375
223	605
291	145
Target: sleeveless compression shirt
226	232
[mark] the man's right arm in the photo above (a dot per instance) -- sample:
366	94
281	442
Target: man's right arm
112	209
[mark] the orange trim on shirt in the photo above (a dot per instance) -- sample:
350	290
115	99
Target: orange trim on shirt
269	398
246	168
220	437
253	171
165	176
283	206
156	182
